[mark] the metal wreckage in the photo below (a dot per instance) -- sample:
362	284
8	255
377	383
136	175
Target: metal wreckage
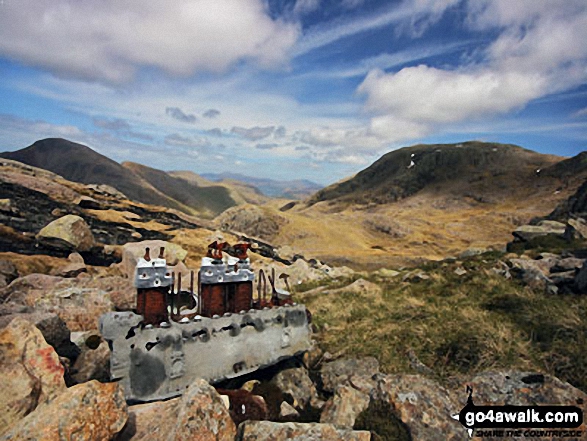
217	332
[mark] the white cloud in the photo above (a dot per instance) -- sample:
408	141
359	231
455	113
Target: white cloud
431	95
110	39
536	53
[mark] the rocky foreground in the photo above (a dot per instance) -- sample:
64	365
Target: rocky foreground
318	398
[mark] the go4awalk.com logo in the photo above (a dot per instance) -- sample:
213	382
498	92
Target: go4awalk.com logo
520	421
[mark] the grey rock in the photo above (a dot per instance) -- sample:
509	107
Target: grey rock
296	387
270	431
339	372
526	233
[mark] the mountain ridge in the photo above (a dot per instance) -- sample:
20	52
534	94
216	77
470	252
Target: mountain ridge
406	171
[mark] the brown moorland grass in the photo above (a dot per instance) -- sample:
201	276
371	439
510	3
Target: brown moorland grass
455	324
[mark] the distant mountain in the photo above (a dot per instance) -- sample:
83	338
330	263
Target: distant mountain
296	189
79	163
473	169
240	192
208	200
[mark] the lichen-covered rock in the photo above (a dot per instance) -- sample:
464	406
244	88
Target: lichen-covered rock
71	229
131	252
79	302
54	330
30	372
90	411
340	371
270	431
423	406
150	421
296	387
202	416
344	406
522	389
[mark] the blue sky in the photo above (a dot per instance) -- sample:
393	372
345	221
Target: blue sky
286	89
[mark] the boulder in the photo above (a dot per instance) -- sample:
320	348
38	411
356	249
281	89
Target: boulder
131	252
30	372
78	302
54	331
199	414
577	228
269	431
339	372
73	268
202	412
71	229
344	406
296	388
422	406
91	411
526	233
92	364
150	421
521	388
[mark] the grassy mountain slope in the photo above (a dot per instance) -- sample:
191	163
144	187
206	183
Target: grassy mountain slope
79	163
206	201
456	197
475	167
239	191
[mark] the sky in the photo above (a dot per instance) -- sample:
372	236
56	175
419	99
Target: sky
291	89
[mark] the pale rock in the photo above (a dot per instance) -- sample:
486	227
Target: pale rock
287	412
270	431
71	229
87	412
344	406
339	372
30	372
423	406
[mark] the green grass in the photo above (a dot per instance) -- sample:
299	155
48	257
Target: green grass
457	324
